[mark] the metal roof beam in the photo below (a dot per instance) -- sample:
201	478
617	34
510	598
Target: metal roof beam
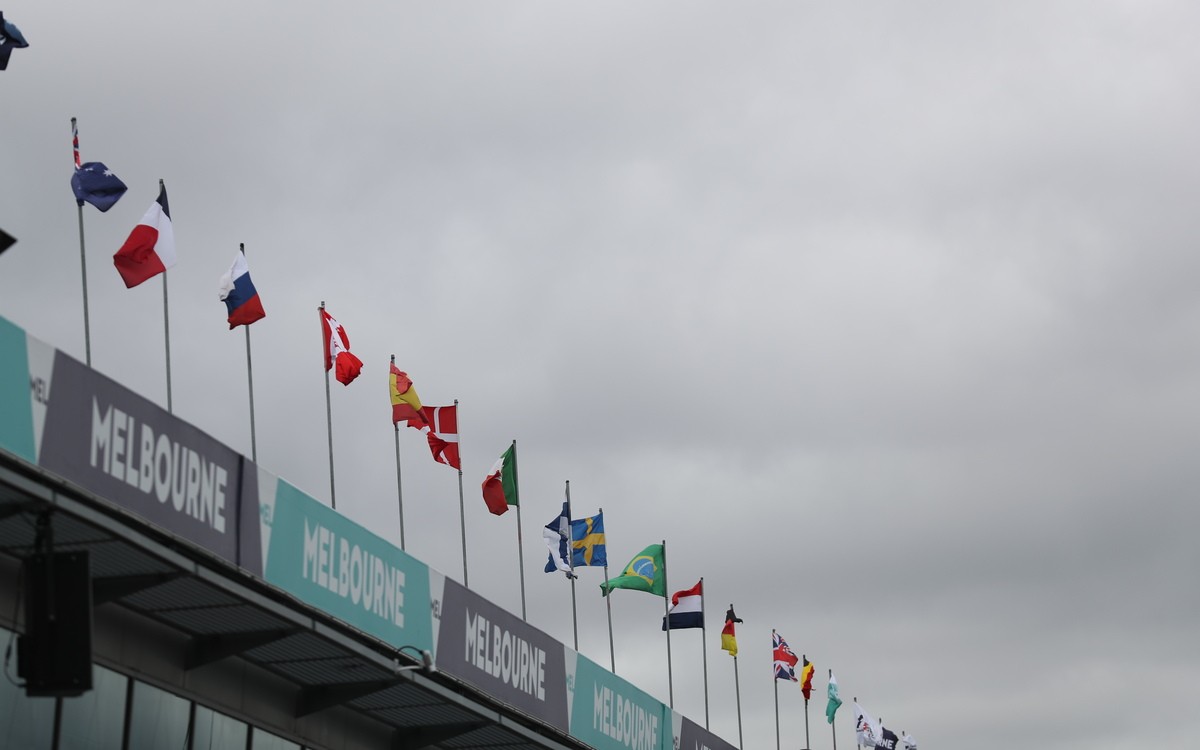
422	737
111	588
320	697
205	649
12	509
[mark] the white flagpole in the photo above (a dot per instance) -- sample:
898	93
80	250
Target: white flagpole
704	648
166	322
737	687
833	724
775	680
399	481
612	654
87	330
666	618
328	411
462	513
856	728
571	565
520	544
807	743
250	382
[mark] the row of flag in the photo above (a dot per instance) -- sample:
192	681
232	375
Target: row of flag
571	543
574	543
150	248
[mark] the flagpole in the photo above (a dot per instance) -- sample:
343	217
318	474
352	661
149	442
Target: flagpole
571	564
328	414
775	680
667	616
807	743
704	649
832	723
87	329
250	383
856	728
166	322
612	654
399	482
462	512
520	544
737	687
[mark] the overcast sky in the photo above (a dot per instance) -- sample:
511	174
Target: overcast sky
882	314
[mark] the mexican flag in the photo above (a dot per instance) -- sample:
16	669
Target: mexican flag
500	487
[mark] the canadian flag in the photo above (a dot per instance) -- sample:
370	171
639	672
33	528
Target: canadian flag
337	350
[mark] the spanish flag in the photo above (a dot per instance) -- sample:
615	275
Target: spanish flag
728	638
406	405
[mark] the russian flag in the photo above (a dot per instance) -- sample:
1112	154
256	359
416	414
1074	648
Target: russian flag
240	296
687	609
150	249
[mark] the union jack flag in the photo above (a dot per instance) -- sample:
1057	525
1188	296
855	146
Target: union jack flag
785	659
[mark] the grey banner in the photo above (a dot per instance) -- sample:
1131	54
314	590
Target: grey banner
129	451
502	655
692	736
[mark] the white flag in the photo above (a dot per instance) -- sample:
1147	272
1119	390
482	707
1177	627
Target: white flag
909	742
868	730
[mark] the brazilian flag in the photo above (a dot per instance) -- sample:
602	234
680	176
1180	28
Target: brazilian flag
645	572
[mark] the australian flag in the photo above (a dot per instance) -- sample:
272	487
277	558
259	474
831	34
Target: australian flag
96	184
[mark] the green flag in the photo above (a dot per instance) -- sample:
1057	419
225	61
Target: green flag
645	572
834	701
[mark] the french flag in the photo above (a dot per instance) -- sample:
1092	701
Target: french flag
150	249
687	608
240	296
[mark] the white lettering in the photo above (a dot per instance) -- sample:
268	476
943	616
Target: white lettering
115	465
156	465
131	469
623	720
352	573
147	455
495	651
311	544
101	435
162	469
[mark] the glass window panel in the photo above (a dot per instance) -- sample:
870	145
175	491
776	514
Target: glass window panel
217	731
158	720
264	740
95	719
24	721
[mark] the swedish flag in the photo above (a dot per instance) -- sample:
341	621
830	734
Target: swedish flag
587	542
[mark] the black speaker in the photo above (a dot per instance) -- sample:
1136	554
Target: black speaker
54	657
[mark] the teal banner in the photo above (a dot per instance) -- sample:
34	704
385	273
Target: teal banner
336	565
608	713
16	401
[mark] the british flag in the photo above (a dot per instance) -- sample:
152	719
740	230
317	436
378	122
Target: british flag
785	659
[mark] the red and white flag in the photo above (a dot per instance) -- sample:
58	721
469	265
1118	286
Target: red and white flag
337	350
442	431
150	249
